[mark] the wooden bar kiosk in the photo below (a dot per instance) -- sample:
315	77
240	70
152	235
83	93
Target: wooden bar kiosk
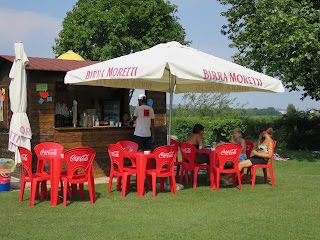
50	104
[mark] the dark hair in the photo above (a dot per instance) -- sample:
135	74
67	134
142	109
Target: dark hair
197	128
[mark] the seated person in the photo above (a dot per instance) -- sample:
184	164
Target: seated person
226	179
237	138
126	120
196	139
264	152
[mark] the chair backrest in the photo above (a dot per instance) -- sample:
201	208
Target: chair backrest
188	152
26	162
50	149
79	159
116	154
165	157
174	143
128	146
228	152
270	160
249	147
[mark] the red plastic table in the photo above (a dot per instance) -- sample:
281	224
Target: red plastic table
55	170
212	156
141	163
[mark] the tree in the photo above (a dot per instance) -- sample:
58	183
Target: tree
105	29
279	38
207	104
291	109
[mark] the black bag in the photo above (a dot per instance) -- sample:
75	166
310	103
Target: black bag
228	165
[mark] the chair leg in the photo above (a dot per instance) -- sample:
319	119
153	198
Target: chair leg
253	176
272	177
110	182
195	177
124	184
173	184
34	185
239	180
218	180
22	187
154	185
92	193
212	178
65	193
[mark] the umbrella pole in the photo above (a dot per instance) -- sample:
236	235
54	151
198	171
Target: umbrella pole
170	107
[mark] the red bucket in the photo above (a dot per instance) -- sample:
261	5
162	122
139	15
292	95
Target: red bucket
5	179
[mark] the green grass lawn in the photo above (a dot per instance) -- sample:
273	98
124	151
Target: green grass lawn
290	210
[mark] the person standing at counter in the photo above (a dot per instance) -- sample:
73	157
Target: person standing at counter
144	118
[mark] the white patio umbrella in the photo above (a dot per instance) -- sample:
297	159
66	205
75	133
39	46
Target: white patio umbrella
20	131
174	68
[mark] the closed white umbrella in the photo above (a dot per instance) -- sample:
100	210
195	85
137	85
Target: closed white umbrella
20	131
174	68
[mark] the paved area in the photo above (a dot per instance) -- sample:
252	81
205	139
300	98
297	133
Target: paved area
15	183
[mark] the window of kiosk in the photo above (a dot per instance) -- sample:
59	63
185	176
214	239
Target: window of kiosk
111	110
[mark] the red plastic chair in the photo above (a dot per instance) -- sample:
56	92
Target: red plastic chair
117	168
45	149
265	167
79	162
42	151
177	162
249	148
188	152
225	153
129	146
165	157
28	176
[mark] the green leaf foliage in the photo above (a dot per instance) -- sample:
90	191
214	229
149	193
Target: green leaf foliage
279	38
295	131
105	29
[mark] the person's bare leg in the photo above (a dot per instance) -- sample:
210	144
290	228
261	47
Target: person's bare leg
244	164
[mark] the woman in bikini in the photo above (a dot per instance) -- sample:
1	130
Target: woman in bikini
263	153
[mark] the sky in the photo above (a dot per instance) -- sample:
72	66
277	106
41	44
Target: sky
37	22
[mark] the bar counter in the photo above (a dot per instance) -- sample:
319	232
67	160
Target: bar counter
96	138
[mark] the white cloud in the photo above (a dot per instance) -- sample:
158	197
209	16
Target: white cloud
36	29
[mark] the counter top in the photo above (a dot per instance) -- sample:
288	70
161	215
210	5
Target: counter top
91	128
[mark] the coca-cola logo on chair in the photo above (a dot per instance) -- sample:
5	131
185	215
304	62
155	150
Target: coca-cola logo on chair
49	152
228	152
186	150
166	154
82	158
115	154
128	149
23	157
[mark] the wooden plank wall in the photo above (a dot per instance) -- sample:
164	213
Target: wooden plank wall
96	138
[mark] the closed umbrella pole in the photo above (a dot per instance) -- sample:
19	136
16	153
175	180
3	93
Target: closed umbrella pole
19	131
